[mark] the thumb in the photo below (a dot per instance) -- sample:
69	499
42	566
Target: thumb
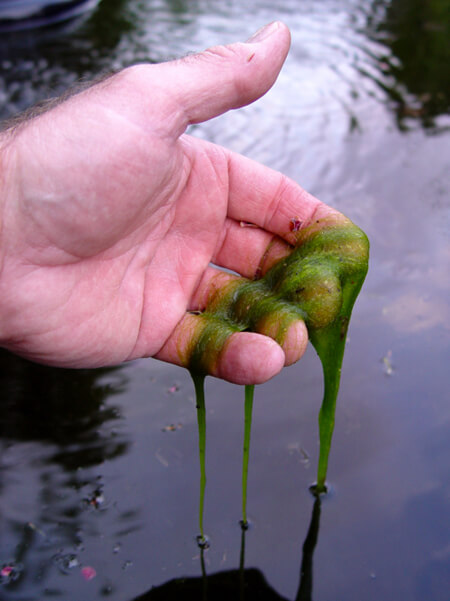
221	78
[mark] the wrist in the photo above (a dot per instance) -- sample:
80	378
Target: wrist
6	179
3	143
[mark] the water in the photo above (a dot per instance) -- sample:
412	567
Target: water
99	469
19	15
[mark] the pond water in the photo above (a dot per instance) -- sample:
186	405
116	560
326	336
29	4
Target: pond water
99	476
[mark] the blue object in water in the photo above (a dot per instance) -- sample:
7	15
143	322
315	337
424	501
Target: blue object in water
16	15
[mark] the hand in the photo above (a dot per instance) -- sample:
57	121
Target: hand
111	215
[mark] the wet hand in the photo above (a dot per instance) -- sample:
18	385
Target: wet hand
111	215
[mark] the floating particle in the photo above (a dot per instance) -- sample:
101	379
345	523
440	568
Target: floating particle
97	499
296	448
6	571
34	528
172	427
88	573
10	572
387	364
65	562
163	461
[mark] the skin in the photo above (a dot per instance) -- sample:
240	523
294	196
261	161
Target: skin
110	215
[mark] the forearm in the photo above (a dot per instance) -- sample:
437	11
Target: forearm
4	143
6	176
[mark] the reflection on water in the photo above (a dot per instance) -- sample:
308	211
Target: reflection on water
417	33
92	473
62	408
243	584
29	14
56	428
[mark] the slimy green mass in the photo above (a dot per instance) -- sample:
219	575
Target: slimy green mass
317	283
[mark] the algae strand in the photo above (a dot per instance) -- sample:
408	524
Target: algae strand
329	343
199	384
249	392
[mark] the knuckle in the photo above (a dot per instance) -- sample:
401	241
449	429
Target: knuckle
232	59
228	52
283	188
134	74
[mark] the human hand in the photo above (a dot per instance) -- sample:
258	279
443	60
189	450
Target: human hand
111	215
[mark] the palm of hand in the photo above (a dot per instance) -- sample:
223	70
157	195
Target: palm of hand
121	245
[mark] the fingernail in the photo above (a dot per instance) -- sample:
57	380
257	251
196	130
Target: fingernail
264	32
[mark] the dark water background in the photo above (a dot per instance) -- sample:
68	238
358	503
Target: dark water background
90	473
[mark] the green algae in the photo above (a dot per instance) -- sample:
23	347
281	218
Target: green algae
248	407
199	384
317	283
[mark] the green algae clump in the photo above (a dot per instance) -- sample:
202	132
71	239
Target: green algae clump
317	283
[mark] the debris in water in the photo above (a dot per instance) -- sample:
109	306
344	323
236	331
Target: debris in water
296	448
65	562
10	572
33	527
162	460
97	499
172	427
88	573
387	364
6	571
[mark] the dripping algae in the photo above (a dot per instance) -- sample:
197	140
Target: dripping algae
248	407
199	384
317	283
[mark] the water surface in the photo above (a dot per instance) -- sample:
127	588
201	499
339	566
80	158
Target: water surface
99	468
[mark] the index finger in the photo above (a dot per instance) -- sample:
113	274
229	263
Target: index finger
271	200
